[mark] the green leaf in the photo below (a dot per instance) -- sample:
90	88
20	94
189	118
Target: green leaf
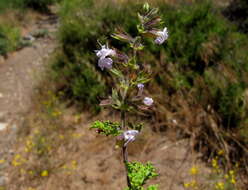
107	127
142	78
117	73
139	173
116	99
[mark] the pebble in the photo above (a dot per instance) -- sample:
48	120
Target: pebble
3	126
2	180
29	38
2	116
1	95
1	59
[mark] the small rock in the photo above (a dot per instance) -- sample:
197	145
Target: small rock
3	166
2	116
29	38
2	180
1	95
3	126
1	59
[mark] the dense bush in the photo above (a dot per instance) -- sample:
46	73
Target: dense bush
9	38
204	64
40	5
237	12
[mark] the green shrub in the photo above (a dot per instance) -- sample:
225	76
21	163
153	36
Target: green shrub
39	5
9	38
237	12
204	61
232	105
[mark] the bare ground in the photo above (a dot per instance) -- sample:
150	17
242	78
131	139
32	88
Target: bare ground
19	76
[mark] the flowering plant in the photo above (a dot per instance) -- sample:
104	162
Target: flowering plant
128	95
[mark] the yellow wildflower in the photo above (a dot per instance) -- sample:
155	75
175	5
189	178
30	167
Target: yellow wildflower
220	152
74	164
18	160
2	161
44	173
194	170
193	183
30	188
232	180
215	163
219	186
186	185
61	137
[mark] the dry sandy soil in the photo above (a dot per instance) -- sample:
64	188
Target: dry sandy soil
19	76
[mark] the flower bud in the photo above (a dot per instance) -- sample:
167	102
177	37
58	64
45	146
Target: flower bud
148	101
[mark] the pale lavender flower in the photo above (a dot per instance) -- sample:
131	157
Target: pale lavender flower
104	52
148	101
105	63
140	86
129	136
161	36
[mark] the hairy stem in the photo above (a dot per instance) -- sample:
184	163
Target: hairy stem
124	148
125	161
123	120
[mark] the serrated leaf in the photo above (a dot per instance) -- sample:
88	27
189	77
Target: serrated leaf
107	128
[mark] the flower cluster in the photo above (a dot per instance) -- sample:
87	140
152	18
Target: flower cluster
128	136
161	36
104	55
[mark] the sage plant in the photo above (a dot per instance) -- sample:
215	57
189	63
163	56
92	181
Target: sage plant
128	95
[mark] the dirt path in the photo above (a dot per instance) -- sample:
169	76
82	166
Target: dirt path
19	75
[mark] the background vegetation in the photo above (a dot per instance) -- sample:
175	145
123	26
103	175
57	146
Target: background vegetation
40	5
10	36
200	74
199	78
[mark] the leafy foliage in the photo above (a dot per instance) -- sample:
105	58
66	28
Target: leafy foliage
9	38
204	58
107	128
39	5
139	173
232	105
237	12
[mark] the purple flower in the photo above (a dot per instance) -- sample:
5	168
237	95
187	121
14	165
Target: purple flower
148	101
104	52
104	61
141	88
161	36
129	136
